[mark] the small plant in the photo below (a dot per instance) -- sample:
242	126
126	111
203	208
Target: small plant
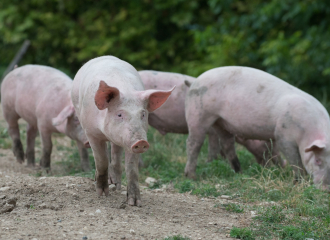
241	233
272	214
32	207
232	207
185	186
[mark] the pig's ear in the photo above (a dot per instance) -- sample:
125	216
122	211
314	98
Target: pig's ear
316	145
104	95
156	98
187	82
68	111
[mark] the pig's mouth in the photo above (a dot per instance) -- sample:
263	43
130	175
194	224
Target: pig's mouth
87	145
140	146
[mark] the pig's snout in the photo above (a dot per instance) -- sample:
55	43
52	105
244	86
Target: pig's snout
87	145
140	146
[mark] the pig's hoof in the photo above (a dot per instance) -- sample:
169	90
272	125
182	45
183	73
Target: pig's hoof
132	202
191	175
284	163
104	190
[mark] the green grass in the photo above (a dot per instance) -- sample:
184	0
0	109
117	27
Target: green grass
241	233
232	207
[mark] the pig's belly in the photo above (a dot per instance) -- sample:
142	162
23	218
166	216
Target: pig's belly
249	129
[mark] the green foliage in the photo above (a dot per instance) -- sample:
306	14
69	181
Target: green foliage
287	38
241	233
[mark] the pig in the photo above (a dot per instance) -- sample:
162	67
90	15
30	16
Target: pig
170	118
41	96
113	106
252	104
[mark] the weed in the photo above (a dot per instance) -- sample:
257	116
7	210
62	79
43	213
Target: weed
185	186
241	233
232	207
273	214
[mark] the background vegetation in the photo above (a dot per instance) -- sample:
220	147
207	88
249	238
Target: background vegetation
288	38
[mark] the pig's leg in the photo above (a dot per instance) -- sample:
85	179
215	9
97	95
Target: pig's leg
115	166
214	147
47	146
194	143
13	130
84	158
31	135
101	163
227	142
256	147
132	175
198	125
276	156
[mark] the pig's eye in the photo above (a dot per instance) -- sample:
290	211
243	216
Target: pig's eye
143	114
119	115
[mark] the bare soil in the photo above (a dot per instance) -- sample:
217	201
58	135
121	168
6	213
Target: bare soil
69	208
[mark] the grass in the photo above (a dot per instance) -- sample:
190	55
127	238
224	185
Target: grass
294	210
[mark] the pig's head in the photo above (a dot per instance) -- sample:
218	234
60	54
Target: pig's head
317	163
126	116
68	123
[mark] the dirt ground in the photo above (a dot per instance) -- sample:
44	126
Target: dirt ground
69	208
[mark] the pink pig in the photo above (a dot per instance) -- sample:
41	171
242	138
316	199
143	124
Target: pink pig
112	105
253	104
170	118
41	96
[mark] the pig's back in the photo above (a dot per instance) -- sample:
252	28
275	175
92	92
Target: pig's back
171	116
36	90
244	96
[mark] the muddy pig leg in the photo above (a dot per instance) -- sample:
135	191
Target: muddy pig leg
115	165
47	146
13	130
31	134
101	158
214	146
132	174
227	142
84	158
